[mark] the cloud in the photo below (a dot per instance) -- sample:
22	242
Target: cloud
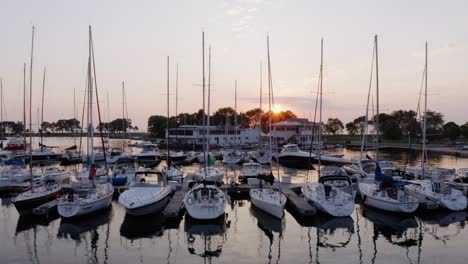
235	11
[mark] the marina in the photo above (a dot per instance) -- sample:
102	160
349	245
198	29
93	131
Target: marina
308	235
242	131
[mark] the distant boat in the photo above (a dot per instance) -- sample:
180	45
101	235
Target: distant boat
292	156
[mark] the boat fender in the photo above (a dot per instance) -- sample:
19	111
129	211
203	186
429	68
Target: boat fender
191	239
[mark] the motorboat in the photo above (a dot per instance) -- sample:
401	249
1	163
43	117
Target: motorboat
175	156
437	194
15	144
329	195
205	201
15	179
250	170
364	168
332	159
70	156
116	154
148	193
292	156
148	154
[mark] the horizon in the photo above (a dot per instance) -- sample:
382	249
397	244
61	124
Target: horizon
132	43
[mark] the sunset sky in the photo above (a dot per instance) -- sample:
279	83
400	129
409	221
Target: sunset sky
133	38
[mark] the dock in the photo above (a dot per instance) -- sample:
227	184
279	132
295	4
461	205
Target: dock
296	204
46	209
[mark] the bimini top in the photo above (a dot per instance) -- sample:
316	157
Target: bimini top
325	179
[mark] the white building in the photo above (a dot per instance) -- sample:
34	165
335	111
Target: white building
217	135
298	130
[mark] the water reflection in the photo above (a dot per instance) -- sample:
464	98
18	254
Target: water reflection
74	228
27	222
269	225
135	227
206	238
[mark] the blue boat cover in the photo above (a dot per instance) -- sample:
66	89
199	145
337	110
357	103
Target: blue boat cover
379	176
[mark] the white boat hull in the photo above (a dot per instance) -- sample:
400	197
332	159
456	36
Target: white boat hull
275	207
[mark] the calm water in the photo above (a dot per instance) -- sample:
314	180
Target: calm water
246	235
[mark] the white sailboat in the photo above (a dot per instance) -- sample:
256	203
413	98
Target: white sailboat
88	196
329	194
271	201
41	190
233	156
381	191
205	201
437	194
148	193
250	170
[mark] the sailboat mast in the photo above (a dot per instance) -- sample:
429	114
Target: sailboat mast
74	116
123	115
203	111
24	111
235	114
167	120
423	159
90	103
209	101
42	108
260	107
320	108
176	104
30	110
377	100
269	99
1	112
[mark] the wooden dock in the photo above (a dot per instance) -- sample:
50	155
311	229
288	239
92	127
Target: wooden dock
296	204
46	209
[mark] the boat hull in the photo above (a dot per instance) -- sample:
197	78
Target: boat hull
26	206
72	210
276	210
298	162
152	208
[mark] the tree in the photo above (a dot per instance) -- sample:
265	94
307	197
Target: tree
390	129
451	131
352	128
333	126
157	125
252	117
120	125
464	130
434	124
221	115
407	121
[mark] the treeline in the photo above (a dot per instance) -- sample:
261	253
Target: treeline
69	125
403	124
157	124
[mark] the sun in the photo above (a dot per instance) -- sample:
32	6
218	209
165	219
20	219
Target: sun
277	109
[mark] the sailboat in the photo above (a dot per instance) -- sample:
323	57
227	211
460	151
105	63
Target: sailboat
329	194
261	155
435	192
381	191
271	201
42	189
87	196
205	200
233	156
208	172
116	153
171	172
